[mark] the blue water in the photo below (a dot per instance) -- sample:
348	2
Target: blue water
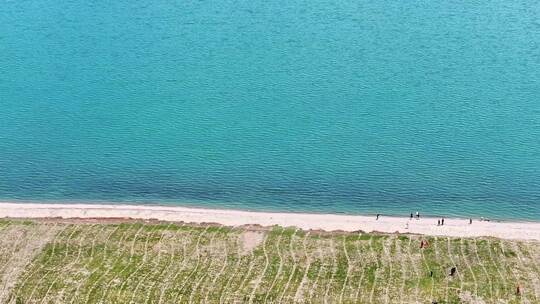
318	106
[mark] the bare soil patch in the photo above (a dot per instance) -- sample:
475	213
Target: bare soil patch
250	240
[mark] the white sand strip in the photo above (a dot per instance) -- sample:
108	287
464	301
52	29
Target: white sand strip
328	222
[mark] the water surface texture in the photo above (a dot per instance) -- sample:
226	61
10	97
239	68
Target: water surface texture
317	106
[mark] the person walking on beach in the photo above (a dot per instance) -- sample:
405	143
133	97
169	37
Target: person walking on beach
470	221
438	222
442	221
378	216
417	215
411	216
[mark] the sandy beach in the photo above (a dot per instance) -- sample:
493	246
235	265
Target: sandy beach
327	222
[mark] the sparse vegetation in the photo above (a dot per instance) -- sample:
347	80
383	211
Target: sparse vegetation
137	262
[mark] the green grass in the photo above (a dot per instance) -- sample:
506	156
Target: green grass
136	262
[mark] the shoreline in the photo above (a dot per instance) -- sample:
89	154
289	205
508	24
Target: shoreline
454	227
202	205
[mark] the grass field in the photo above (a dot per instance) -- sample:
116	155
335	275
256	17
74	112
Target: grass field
136	262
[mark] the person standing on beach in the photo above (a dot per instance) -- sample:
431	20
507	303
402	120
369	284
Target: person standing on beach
417	215
442	221
470	221
411	216
378	216
438	222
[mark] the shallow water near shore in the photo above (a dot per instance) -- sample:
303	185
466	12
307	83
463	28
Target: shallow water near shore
350	107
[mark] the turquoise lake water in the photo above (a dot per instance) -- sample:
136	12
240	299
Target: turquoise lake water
319	106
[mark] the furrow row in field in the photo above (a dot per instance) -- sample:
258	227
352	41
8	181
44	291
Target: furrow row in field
93	259
178	267
387	258
427	269
95	287
486	278
207	269
329	281
361	252
439	245
77	266
465	259
397	257
439	289
165	275
214	287
375	269
154	268
253	261
345	281
510	268
498	279
401	259
261	276
42	263
319	271
244	277
134	277
118	279
299	293
155	275
295	265
280	267
51	267
68	267
236	270
413	297
208	264
454	265
180	294
136	263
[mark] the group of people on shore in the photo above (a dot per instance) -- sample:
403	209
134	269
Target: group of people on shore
440	222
